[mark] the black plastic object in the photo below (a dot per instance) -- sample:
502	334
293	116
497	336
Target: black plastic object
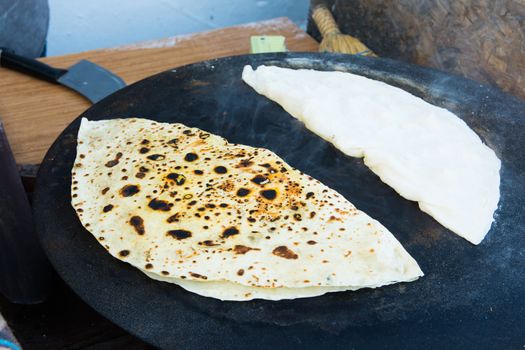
26	276
9	59
471	296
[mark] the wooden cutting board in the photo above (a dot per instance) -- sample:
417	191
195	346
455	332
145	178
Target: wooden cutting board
35	112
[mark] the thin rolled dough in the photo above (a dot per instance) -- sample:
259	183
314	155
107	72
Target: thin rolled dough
424	152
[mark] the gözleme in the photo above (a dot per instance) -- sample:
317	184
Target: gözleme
424	152
224	220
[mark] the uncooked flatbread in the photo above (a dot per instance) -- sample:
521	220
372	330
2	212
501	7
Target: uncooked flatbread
224	220
426	153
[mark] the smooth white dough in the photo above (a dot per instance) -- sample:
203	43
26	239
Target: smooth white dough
424	152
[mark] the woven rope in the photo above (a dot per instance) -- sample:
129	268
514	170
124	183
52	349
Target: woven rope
333	40
324	21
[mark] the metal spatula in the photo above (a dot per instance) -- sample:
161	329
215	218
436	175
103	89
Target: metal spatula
88	79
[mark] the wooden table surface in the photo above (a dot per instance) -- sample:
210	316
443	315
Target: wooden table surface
35	112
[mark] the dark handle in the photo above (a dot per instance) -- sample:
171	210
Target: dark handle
29	66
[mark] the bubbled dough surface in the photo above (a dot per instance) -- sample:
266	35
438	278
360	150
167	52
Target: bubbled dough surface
224	220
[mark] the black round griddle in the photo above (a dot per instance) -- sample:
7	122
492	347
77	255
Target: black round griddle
471	296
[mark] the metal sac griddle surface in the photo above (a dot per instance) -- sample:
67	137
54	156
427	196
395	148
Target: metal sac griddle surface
470	295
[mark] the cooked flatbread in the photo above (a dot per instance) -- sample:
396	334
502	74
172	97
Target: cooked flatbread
224	290
426	153
224	220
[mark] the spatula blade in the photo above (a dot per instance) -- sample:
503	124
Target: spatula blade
90	80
